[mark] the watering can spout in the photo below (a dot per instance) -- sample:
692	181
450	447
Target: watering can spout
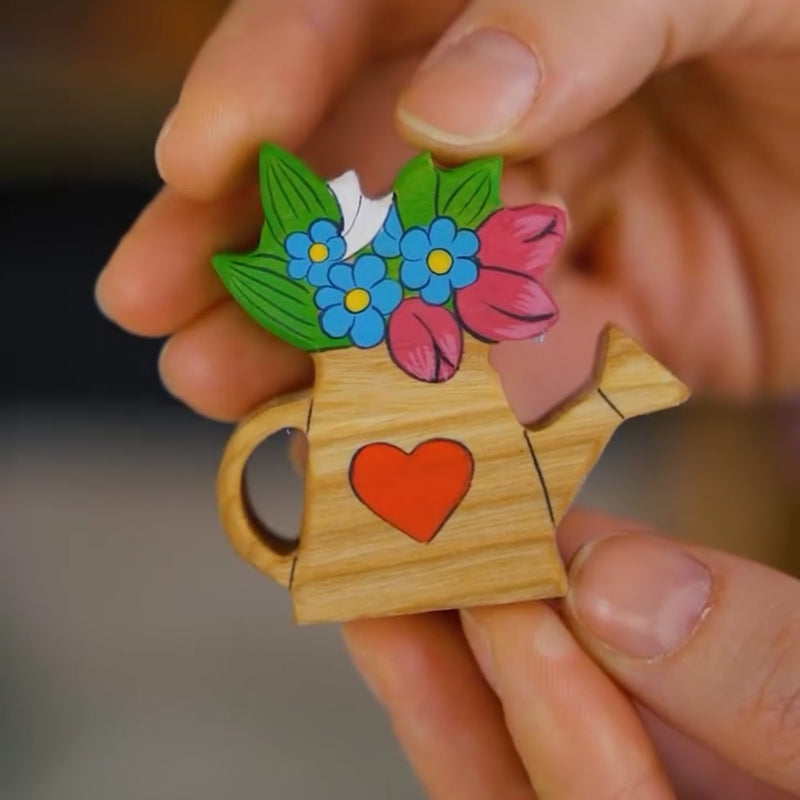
627	382
633	380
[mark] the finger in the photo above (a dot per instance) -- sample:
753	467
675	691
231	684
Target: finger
446	718
709	641
267	73
160	276
360	134
223	365
698	773
694	770
581	526
298	452
403	25
514	76
650	237
561	709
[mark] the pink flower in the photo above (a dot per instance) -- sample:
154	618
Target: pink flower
505	304
523	239
424	341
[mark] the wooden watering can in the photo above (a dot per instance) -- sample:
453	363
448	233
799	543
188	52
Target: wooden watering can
426	496
422	490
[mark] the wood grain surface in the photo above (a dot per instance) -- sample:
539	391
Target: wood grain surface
496	544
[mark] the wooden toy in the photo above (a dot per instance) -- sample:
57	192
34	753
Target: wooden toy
422	490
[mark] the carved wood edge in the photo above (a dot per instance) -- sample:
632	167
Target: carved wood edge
611	343
248	534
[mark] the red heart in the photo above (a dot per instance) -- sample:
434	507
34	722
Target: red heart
415	492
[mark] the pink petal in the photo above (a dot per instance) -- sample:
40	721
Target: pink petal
504	305
523	239
424	341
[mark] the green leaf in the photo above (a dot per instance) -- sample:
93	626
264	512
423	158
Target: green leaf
469	193
292	197
415	191
285	307
393	267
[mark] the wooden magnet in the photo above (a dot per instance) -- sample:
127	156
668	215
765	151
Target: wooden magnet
422	490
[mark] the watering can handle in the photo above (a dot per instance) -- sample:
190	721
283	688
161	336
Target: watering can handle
248	535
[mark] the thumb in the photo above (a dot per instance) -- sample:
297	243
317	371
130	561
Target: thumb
708	641
514	76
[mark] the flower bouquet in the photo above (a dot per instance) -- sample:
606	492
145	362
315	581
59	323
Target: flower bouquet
416	269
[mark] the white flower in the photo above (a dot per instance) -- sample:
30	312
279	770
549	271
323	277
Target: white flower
362	216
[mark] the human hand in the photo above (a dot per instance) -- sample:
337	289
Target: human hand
707	645
669	128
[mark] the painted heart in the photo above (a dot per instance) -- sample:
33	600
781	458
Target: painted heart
415	492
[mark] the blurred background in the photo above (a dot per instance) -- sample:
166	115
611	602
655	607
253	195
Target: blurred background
138	656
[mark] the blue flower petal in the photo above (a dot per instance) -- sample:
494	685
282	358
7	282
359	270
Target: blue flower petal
463	272
327	296
297	244
437	291
368	270
385	245
318	273
465	243
414	274
336	248
415	243
321	230
368	328
392	223
387	242
442	232
386	296
297	268
341	276
336	321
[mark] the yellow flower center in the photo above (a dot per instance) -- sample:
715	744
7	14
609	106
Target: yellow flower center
439	261
317	252
356	300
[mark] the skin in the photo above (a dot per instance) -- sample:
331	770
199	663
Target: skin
669	129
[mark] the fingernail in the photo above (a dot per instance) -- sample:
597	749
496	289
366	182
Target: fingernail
641	596
481	647
159	148
474	91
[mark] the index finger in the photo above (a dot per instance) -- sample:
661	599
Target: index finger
269	72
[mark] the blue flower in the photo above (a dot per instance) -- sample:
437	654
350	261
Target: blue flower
438	259
356	299
311	254
387	242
